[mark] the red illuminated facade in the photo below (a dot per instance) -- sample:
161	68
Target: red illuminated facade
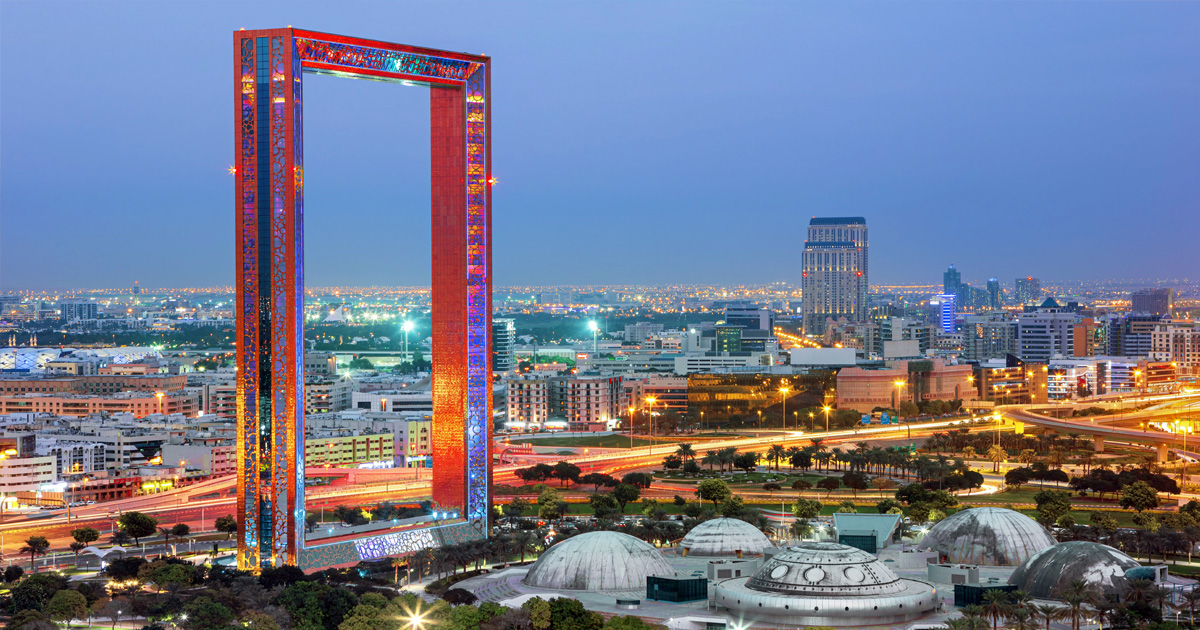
268	70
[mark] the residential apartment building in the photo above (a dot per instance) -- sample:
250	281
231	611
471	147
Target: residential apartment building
101	384
1177	341
139	404
991	335
324	394
72	457
593	403
534	400
212	459
348	449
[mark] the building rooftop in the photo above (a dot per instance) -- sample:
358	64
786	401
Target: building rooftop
597	561
724	537
837	221
988	536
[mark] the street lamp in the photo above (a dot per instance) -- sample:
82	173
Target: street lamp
595	328
631	428
407	326
650	400
896	395
159	396
783	391
826	409
810	422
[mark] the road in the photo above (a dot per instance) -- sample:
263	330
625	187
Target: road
199	505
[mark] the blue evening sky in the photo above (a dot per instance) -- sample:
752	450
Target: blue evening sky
635	142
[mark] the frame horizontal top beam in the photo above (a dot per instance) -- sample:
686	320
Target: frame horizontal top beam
338	55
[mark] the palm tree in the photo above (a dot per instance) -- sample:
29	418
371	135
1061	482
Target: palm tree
995	605
35	546
958	623
776	453
398	562
710	459
1192	601
1076	595
1022	619
792	455
976	617
1020	599
76	547
997	454
120	538
166	534
420	559
836	454
728	454
1160	596
1049	613
523	541
685	451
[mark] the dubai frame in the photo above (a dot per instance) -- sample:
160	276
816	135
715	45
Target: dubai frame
269	170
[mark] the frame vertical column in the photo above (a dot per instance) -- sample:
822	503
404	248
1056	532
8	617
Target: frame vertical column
448	166
246	182
271	303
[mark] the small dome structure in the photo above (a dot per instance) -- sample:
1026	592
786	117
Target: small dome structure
724	537
988	536
597	561
1052	569
820	583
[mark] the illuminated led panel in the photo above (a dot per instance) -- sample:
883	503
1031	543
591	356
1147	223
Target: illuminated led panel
268	76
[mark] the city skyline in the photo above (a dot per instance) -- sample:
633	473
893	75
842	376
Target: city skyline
954	144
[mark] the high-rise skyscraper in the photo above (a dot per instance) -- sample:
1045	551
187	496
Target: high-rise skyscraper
1028	288
835	276
504	339
946	312
951	281
993	289
1153	301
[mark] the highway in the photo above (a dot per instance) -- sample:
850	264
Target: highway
199	505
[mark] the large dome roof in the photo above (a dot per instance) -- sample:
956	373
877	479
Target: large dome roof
821	568
724	537
824	584
988	536
597	561
1052	569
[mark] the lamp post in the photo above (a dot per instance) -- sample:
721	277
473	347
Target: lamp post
406	327
810	422
595	328
896	395
826	409
631	428
783	392
159	396
650	400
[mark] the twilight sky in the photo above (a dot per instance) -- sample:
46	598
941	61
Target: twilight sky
635	142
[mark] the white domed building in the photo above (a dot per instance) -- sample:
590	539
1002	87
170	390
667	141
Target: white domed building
727	537
1048	572
598	561
824	584
987	536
